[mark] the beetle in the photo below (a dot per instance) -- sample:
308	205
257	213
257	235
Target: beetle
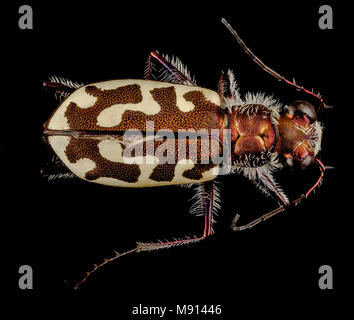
178	132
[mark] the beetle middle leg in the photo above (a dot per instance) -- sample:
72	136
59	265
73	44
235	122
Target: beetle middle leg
282	207
172	70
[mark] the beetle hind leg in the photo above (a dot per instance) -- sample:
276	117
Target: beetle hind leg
61	86
208	197
56	170
208	201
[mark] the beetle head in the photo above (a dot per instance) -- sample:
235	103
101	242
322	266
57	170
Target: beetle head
299	135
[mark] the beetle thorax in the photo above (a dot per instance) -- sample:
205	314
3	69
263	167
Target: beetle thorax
253	132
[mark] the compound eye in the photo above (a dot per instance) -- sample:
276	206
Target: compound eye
302	108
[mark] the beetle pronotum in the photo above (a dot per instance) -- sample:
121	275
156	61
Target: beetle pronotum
254	134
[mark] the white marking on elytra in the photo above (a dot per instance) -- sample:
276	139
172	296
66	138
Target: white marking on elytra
112	116
80	167
81	98
187	164
112	150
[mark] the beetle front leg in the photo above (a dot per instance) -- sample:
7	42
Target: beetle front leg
267	183
256	221
282	207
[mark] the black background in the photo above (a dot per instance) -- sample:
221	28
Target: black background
62	228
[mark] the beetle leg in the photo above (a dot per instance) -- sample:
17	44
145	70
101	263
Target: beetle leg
61	86
149	69
173	69
282	207
208	193
228	89
210	200
256	221
268	181
105	261
56	170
